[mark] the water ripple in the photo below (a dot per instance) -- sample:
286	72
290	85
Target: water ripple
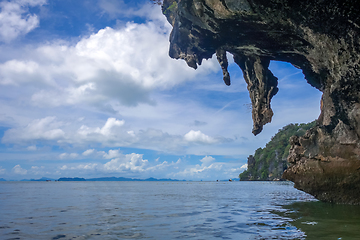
153	210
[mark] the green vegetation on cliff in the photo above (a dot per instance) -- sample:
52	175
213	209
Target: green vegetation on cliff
269	163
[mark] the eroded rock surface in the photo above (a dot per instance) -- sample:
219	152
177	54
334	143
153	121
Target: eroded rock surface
321	38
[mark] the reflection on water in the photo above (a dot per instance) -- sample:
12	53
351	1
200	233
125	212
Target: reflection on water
169	210
320	220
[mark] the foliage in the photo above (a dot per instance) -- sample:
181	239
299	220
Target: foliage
167	6
270	162
172	6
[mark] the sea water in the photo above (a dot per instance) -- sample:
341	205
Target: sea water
170	210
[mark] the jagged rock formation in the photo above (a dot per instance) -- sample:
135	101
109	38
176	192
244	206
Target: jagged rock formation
321	38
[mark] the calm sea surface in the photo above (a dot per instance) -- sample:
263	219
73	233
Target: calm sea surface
169	210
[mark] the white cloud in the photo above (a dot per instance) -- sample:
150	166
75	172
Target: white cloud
130	162
112	154
108	129
90	166
2	170
134	165
207	160
18	170
113	133
124	163
39	129
116	71
15	72
109	125
88	152
199	137
113	65
86	167
117	162
15	20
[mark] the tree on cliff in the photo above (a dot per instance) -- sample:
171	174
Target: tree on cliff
269	163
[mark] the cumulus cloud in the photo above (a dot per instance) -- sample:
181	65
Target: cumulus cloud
86	167
113	133
48	130
119	163
110	124
130	162
15	19
112	154
18	170
88	152
207	160
199	137
134	164
39	129
123	65
15	72
106	130
112	70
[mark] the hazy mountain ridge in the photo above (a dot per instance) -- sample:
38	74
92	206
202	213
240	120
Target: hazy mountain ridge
151	179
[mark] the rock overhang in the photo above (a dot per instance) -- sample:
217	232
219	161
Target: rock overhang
319	37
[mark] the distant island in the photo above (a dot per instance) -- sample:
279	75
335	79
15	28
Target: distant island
118	179
77	179
109	179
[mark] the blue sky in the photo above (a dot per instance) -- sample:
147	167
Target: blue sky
87	89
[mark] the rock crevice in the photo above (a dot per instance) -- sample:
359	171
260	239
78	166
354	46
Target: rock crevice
321	38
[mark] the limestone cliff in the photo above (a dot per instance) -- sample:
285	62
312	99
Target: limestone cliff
269	163
320	37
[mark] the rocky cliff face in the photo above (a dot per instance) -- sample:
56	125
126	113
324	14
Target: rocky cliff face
270	162
321	38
